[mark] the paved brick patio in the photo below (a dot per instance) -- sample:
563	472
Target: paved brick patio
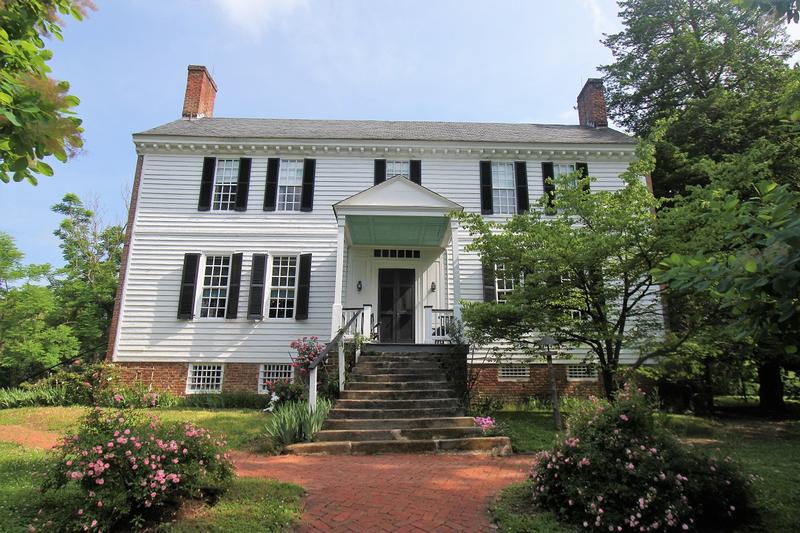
404	493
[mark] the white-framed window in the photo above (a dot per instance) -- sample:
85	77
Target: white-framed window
560	169
290	184
271	372
204	379
503	283
214	293
226	177
581	373
504	188
283	286
398	168
514	371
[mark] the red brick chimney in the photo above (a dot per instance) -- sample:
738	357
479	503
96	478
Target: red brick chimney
200	93
592	104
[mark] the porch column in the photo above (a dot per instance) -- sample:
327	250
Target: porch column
455	250
336	320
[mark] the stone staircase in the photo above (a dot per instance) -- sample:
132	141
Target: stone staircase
398	400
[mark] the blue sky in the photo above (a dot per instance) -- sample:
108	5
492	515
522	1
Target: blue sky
499	61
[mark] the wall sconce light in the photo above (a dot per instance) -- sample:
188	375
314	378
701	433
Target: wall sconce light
433	286
359	286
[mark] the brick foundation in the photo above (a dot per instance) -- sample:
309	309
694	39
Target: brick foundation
537	385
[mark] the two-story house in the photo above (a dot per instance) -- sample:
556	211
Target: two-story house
247	233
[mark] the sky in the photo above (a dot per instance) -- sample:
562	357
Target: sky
459	60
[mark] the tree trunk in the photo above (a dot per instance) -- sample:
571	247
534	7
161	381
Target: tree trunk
609	383
554	393
705	402
770	386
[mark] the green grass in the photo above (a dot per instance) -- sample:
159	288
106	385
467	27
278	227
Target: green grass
251	505
768	448
513	514
243	428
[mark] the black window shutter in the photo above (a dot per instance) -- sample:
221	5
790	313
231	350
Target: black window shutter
521	175
415	171
234	283
307	195
258	272
380	171
243	184
207	184
584	168
271	192
489	288
547	183
188	283
303	287
487	206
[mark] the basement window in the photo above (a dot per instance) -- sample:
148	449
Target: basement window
513	372
581	373
272	372
204	379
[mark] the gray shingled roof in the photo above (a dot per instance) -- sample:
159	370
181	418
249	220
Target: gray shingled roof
388	130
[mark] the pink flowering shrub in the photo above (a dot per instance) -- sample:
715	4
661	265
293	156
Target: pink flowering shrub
129	470
484	422
619	469
308	349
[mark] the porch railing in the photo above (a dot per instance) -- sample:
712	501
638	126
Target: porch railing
439	325
355	320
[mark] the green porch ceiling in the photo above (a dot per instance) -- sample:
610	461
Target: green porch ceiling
370	230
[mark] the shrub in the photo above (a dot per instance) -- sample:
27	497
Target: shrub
33	396
292	422
286	390
619	469
129	471
308	349
485	405
227	400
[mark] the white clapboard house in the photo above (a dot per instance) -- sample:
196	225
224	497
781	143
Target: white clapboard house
247	233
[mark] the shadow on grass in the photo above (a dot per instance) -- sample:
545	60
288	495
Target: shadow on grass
514	513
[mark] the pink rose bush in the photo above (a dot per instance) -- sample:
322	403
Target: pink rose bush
618	469
486	423
308	349
128	469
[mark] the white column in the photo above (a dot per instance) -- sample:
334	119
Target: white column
455	250
336	321
428	338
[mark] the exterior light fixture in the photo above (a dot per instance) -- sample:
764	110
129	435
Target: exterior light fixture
433	286
359	286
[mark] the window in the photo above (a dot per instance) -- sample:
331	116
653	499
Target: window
225	179
274	372
560	169
290	184
581	373
282	288
204	379
514	372
504	188
396	254
504	284
397	168
215	286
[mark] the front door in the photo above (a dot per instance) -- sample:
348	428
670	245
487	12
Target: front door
396	304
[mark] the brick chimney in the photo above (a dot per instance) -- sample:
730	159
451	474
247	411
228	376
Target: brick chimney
200	93
592	104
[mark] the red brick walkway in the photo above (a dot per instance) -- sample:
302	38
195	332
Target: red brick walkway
413	493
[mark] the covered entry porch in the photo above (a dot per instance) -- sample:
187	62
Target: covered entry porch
397	261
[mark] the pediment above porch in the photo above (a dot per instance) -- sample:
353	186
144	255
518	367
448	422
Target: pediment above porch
396	196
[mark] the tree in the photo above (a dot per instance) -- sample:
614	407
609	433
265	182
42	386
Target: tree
715	71
754	275
780	9
29	339
582	274
36	117
86	286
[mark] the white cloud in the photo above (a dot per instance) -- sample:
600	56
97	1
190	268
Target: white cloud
253	17
601	21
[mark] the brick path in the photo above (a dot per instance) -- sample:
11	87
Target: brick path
408	493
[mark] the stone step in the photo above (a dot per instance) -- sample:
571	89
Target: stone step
337	412
424	371
398	423
398	434
392	394
427	376
408	349
396	385
425	403
485	445
392	358
382	366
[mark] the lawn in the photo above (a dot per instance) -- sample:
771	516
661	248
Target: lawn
766	447
251	504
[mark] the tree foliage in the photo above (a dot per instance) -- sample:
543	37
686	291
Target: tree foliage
585	272
36	116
